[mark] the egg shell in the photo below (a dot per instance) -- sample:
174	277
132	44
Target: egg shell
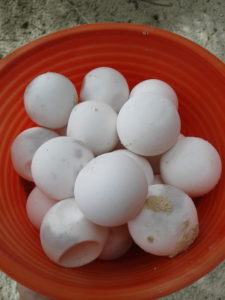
56	164
37	206
49	99
107	85
142	163
25	145
193	165
148	124
27	294
155	86
111	189
168	222
94	123
117	244
68	238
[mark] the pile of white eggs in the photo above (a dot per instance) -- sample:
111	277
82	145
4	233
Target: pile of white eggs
112	169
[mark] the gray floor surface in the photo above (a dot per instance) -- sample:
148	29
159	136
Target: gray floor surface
202	21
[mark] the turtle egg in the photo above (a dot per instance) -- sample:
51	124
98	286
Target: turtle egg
155	86
55	166
94	123
49	99
117	244
68	238
111	189
148	124
37	206
107	85
168	222
192	165
142	163
25	145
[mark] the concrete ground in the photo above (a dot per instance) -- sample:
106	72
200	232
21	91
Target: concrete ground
202	21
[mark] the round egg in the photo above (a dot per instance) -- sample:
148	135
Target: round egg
157	179
111	189
49	99
192	165
148	124
155	86
142	163
168	222
68	238
107	85
55	166
25	145
94	123
117	244
37	206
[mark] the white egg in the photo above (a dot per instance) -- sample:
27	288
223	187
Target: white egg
142	163
107	85
27	294
25	145
168	222
155	86
55	166
117	244
68	238
111	189
37	206
49	99
148	124
157	180
192	165
94	123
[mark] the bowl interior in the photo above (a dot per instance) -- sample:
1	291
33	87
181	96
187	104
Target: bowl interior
139	52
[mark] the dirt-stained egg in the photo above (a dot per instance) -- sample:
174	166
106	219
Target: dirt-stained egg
68	238
117	244
25	145
142	163
155	86
55	166
94	123
107	85
168	222
192	165
49	99
111	189
148	124
37	206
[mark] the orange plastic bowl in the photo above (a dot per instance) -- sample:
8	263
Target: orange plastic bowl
139	52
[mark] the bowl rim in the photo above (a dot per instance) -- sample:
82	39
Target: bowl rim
219	252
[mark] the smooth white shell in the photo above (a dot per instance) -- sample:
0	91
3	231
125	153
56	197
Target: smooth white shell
117	244
107	85
56	164
25	145
111	189
155	86
168	222
94	123
142	163
49	99
193	165
148	124
37	206
68	238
